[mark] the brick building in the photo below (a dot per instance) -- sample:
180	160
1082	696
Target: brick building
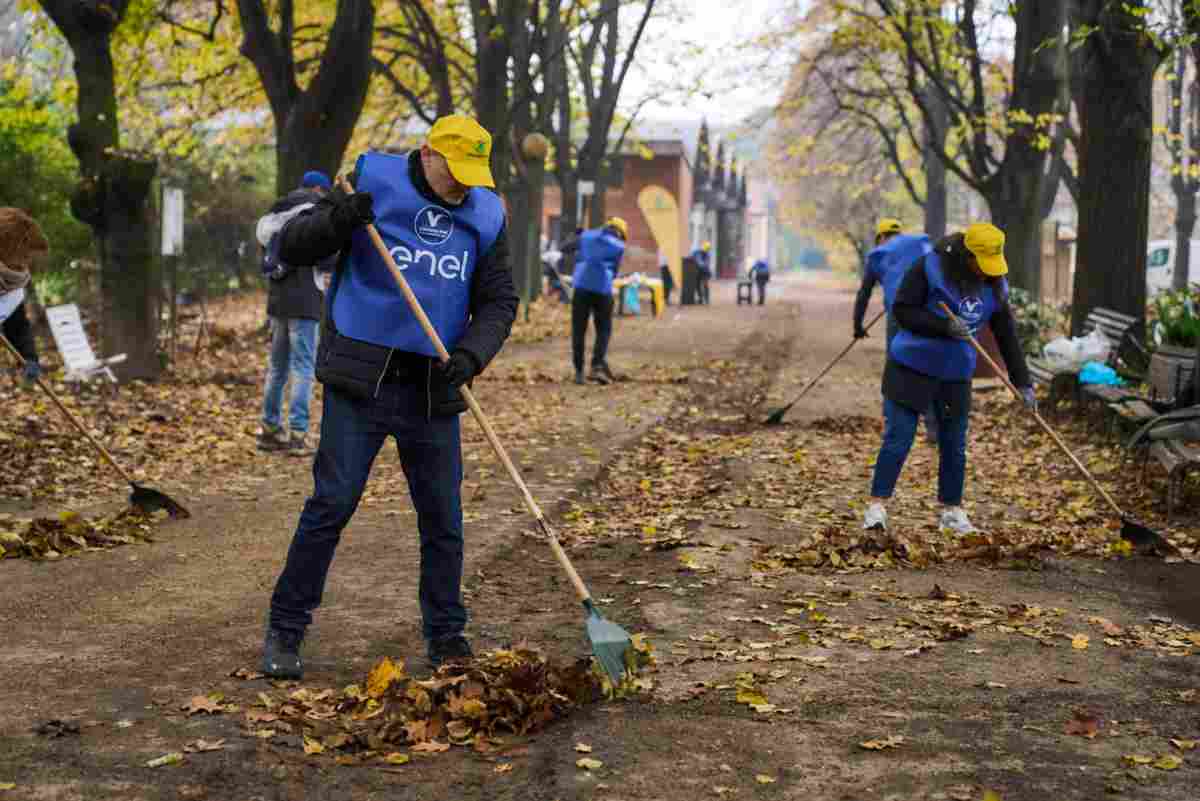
712	202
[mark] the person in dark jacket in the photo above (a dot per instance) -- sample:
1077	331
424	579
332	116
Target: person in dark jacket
446	231
598	263
294	309
668	281
22	244
931	361
704	272
760	274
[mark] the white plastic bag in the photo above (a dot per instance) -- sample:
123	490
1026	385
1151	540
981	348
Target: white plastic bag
1069	355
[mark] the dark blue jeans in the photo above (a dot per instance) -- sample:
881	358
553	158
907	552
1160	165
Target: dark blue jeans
352	432
899	430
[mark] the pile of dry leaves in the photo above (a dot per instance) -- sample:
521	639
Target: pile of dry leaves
71	533
473	704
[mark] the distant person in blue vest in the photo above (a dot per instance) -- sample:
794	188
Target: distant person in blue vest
893	254
931	361
703	258
598	263
760	274
294	303
382	378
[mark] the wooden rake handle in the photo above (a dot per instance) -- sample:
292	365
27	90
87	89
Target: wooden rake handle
563	560
67	413
1036	416
836	359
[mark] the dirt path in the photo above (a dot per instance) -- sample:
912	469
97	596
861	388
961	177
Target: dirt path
979	679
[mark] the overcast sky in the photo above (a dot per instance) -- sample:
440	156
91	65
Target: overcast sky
707	42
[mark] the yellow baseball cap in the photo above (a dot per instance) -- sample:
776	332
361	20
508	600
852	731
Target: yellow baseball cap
467	147
888	225
706	246
986	243
620	225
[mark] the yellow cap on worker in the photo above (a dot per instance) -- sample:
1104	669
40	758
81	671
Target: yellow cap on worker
467	147
620	225
888	225
706	246
986	243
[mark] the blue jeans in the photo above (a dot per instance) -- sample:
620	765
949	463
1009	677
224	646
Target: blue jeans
352	432
899	430
293	353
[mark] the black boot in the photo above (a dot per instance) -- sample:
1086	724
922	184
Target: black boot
281	654
449	649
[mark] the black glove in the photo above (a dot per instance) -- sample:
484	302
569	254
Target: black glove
957	329
860	332
460	369
351	211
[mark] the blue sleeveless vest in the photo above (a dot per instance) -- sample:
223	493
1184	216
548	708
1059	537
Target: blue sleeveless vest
941	357
436	247
599	259
891	260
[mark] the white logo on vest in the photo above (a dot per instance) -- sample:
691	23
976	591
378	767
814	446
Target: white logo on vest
433	225
970	310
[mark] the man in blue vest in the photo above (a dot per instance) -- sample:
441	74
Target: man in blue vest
703	258
893	254
598	263
382	378
931	362
760	274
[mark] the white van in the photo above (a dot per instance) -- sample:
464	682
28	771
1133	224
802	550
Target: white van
1160	264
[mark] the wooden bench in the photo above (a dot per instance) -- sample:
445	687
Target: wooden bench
1128	357
1178	458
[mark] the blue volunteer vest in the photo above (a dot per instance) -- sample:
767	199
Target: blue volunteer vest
599	259
761	269
700	256
890	261
436	247
941	357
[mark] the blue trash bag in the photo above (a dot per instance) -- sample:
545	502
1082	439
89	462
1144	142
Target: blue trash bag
1099	373
633	303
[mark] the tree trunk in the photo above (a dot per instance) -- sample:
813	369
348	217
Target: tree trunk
113	190
936	126
1016	210
1185	223
1115	155
312	126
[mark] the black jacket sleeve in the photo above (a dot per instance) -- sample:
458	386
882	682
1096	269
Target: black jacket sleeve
311	237
1004	327
909	307
493	304
19	332
863	299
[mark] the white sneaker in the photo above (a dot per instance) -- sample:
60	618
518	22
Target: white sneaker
876	517
955	519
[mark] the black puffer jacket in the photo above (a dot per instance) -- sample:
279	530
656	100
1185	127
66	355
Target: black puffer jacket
361	367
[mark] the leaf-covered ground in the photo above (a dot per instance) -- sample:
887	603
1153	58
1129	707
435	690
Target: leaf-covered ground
797	657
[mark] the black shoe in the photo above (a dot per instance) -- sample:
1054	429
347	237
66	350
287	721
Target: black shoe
579	379
601	374
449	649
272	439
281	654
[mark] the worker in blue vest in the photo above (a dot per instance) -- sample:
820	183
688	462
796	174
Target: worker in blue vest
445	229
760	274
598	263
893	254
704	273
931	362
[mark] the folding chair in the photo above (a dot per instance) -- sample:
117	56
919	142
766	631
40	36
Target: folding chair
71	340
